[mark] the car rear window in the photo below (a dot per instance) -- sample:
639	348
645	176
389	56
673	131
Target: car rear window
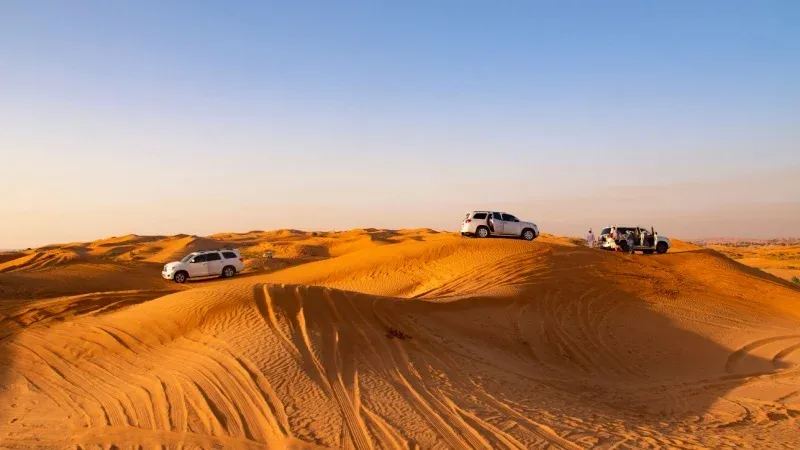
229	255
214	257
479	216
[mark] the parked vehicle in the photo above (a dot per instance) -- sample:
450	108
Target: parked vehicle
493	223
223	263
649	245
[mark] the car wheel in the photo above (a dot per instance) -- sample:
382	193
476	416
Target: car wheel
482	232
662	247
623	246
528	234
228	272
179	277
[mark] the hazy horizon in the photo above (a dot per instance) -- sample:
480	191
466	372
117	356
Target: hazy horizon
204	117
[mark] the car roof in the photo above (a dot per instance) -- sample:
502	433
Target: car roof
199	252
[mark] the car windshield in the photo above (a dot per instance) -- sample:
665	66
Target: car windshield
187	258
606	231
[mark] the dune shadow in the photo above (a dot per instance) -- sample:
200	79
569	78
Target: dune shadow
616	375
608	358
388	236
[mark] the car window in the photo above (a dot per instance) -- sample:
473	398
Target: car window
606	231
199	259
496	215
510	218
479	216
187	258
213	256
229	255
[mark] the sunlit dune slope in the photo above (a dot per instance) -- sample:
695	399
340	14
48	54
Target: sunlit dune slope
780	258
425	343
414	268
134	262
162	249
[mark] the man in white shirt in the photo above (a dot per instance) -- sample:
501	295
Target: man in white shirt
590	239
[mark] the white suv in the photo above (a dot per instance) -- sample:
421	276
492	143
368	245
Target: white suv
223	263
645	241
491	223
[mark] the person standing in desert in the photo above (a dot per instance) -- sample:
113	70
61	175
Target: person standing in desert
590	239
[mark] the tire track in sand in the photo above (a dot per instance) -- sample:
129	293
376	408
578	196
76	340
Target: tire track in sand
778	361
331	374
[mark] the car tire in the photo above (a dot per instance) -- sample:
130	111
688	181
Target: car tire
482	232
180	277
228	271
623	246
528	234
662	248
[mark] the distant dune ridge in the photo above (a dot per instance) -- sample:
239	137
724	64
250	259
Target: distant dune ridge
404	339
80	267
779	257
747	241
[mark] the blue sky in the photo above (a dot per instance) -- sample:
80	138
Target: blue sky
327	115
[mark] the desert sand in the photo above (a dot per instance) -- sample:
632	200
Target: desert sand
395	339
780	257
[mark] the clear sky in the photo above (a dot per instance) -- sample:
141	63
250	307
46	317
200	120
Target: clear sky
161	117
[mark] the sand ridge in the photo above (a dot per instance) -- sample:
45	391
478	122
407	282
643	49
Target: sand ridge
427	342
129	262
780	257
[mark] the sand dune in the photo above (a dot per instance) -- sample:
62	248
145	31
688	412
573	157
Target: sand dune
76	268
413	340
780	257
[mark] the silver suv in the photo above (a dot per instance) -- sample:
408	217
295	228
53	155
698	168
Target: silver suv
493	223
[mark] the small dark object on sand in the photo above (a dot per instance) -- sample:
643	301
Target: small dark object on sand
396	334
